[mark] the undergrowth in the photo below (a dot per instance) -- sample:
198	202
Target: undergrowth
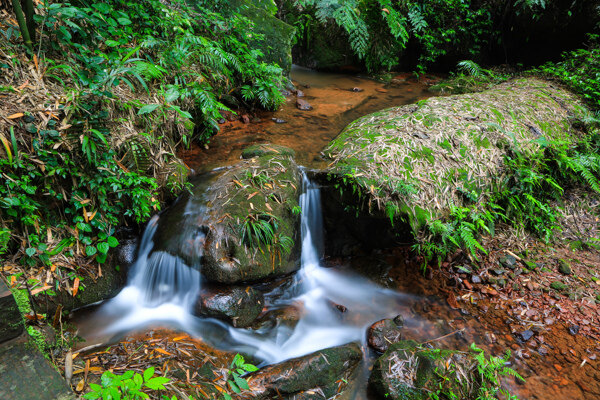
531	183
107	93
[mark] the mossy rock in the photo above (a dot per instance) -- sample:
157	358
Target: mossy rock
277	43
238	305
408	371
321	369
214	228
417	161
259	150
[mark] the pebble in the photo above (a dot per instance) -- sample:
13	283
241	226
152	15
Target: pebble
476	279
573	330
357	89
279	120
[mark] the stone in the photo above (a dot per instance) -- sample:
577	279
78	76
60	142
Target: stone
407	371
316	370
385	332
508	261
557	285
237	305
25	374
303	105
574	329
279	120
564	267
476	279
11	321
277	44
525	335
212	228
263	149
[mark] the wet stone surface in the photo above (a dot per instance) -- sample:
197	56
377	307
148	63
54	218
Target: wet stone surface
239	306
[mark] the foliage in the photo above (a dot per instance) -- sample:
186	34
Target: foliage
580	70
532	181
261	230
132	81
471	77
128	386
237	369
490	371
378	31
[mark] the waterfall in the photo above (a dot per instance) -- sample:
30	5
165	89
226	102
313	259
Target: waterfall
162	290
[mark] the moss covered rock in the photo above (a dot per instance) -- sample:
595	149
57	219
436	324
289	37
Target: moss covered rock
323	369
277	43
240	224
407	371
419	160
237	305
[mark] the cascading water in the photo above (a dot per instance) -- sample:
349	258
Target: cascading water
162	289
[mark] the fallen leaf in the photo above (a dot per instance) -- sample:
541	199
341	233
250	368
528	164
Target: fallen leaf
80	385
452	302
39	290
75	286
15	116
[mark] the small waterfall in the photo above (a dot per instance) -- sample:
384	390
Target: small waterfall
162	289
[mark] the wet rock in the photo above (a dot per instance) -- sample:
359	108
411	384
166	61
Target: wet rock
476	279
25	374
357	89
221	121
299	93
303	105
525	335
213	228
279	120
383	333
316	370
245	119
407	371
574	329
499	271
564	267
259	150
239	306
11	322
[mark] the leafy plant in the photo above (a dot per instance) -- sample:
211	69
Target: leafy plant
129	386
235	379
490	371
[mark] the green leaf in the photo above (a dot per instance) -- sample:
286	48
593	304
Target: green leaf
241	382
112	43
250	367
112	241
157	383
148	373
90	251
148	108
124	21
30	251
103	247
233	386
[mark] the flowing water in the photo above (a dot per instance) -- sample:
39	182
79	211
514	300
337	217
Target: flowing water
162	290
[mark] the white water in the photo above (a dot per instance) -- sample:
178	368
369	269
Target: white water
162	290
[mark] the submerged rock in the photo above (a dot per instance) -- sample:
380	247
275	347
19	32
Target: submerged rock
237	305
239	224
303	105
321	369
407	371
385	332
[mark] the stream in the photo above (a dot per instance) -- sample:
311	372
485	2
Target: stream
162	290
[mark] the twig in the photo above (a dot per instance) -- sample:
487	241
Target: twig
445	336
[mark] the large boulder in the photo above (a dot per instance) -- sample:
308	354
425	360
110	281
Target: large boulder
276	42
323	370
408	371
416	161
240	224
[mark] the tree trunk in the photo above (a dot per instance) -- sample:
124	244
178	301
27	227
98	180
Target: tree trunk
22	24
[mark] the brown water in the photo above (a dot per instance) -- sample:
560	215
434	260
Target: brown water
335	104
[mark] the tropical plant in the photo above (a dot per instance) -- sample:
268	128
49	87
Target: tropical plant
129	386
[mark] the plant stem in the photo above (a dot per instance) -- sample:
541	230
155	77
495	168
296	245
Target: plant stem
22	24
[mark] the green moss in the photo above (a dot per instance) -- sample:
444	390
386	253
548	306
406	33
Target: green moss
560	286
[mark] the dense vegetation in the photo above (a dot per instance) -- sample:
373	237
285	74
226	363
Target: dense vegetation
115	89
384	34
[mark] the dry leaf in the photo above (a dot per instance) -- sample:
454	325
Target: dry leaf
80	385
75	286
14	116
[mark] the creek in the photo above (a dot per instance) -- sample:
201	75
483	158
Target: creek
162	290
